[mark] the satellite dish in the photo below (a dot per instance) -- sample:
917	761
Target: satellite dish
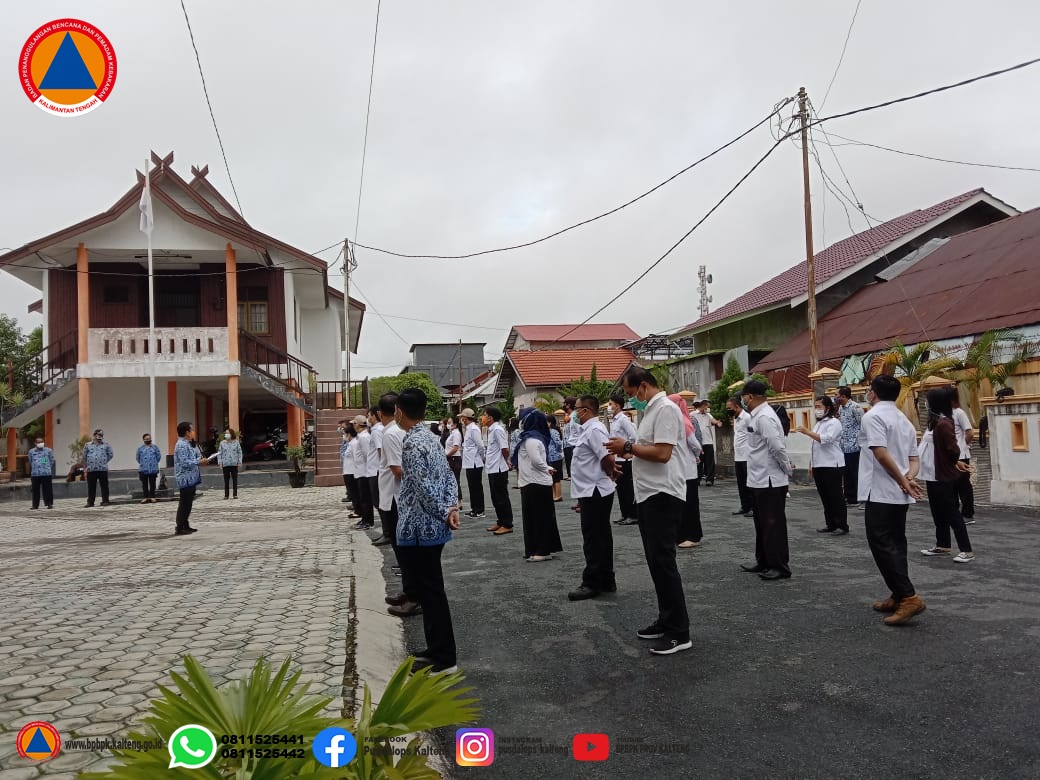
709	278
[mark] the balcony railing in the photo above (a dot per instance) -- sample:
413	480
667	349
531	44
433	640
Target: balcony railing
333	394
121	345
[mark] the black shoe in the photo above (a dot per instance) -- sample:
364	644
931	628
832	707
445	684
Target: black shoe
406	609
653	631
181	532
106	503
193	530
475	515
422	658
34	507
361	525
381	541
628	521
749	513
89	506
396	601
825	530
740	512
840	531
583	592
345	500
668	646
755	568
775	574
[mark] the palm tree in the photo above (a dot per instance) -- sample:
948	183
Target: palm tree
912	364
547	403
985	353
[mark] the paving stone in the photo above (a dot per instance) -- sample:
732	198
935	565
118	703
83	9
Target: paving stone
24	773
45	707
57	694
92	697
102	729
70	759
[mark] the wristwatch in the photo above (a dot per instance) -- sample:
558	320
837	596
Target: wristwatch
627	448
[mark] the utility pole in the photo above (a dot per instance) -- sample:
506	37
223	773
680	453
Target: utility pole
346	322
810	261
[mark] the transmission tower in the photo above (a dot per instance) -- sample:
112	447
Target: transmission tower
704	280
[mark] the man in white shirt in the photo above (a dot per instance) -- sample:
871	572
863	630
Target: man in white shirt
497	468
405	603
888	464
621	427
375	431
965	436
740	452
592	483
364	487
660	486
706	424
769	470
473	462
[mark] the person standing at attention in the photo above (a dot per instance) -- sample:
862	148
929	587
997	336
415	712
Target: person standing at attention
386	408
186	462
541	534
965	436
942	469
497	468
689	533
473	462
229	456
592	483
453	452
554	455
659	478
706	424
42	467
826	465
571	431
769	471
851	415
740	452
362	445
428	513
96	457
621	427
887	467
148	459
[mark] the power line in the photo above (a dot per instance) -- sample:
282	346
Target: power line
841	58
368	112
854	142
439	322
373	308
209	105
584	222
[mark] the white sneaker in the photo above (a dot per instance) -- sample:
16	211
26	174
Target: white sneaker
964	557
936	551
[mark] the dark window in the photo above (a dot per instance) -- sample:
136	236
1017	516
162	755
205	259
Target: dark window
116	294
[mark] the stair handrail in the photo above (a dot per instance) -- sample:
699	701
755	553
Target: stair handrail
250	351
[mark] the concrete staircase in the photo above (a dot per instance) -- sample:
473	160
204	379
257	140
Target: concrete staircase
327	469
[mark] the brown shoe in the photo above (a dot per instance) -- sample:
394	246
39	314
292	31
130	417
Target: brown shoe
493	528
907	608
888	605
503	530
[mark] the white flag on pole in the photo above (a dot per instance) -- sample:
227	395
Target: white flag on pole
147	219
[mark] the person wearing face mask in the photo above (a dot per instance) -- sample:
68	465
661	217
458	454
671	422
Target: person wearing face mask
941	468
148	459
42	467
827	464
341	429
736	412
659	477
571	432
186	461
96	457
453	452
229	456
768	473
621	427
497	468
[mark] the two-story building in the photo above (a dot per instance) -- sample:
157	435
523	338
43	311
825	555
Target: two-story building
247	331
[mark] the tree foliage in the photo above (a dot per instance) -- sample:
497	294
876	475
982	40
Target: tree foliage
996	355
720	392
591	386
547	403
508	404
435	406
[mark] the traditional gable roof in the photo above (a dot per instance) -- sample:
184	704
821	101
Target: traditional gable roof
571	333
842	256
552	367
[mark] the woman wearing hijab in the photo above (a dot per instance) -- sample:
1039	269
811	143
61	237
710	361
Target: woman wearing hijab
689	530
541	534
827	465
942	478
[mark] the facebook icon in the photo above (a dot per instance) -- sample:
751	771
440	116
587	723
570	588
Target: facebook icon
334	747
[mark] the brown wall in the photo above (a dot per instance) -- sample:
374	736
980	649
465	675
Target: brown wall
62	306
275	306
213	289
118	315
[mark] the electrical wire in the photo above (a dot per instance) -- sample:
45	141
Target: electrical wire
841	58
368	301
584	222
854	142
368	112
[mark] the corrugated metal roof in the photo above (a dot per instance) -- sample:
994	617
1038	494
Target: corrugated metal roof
551	367
592	332
831	261
980	280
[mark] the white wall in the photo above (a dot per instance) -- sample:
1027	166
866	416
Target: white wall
66	431
321	342
290	294
1016	474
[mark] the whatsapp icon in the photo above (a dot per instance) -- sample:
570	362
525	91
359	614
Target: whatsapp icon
192	747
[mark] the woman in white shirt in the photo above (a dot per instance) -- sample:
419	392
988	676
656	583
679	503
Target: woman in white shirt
827	465
541	534
453	452
689	531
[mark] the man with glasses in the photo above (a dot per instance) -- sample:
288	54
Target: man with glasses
592	483
96	457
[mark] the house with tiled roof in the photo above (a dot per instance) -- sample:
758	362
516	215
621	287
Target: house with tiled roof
762	319
532	372
588	336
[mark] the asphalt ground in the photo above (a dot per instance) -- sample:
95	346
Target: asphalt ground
786	679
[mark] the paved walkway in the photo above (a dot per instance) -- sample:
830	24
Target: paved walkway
100	604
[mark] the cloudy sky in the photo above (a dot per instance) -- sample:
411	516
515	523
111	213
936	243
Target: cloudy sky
494	123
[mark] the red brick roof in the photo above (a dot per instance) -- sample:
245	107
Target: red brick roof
831	261
602	332
551	367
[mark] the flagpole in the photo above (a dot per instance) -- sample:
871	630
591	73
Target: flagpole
151	304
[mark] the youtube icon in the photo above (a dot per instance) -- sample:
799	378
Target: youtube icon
591	747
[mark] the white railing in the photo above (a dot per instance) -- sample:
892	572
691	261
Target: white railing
128	345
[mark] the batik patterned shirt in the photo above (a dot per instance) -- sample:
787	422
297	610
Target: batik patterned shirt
186	464
97	456
851	415
148	459
42	462
555	453
428	491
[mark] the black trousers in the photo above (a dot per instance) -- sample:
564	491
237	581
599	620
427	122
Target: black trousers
597	542
364	505
45	486
659	518
568	453
187	498
455	463
93	479
966	493
828	481
230	478
538	511
771	548
499	485
946	514
851	477
475	485
886	536
350	483
626	491
706	468
407	581
147	484
740	466
373	492
690	524
422	567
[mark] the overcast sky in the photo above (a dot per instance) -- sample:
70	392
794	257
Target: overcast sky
494	123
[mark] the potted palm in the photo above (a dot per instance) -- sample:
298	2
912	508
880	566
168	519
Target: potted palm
297	456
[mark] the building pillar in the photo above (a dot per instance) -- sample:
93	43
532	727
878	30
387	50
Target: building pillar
12	450
231	295
48	429
171	418
232	403
83	333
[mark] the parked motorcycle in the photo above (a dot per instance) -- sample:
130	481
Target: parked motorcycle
308	444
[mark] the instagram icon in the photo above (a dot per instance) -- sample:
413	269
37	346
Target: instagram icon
474	747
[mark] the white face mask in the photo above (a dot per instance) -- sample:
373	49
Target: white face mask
227	435
40	445
819	414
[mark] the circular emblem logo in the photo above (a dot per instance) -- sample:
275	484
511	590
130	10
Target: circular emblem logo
67	67
38	741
